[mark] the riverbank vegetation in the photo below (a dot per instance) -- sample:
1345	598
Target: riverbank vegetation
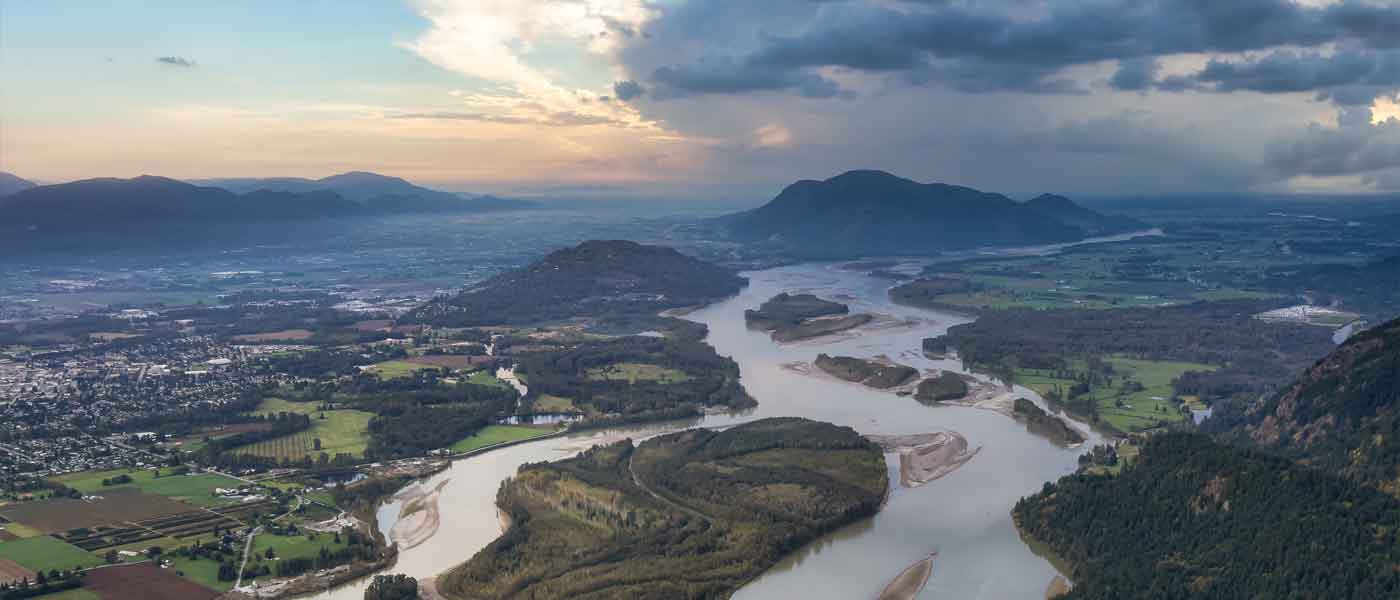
694	514
796	317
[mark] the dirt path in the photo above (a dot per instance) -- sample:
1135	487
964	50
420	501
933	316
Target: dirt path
667	501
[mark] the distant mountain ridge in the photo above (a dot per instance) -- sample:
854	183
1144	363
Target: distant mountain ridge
876	213
380	193
609	281
103	203
11	184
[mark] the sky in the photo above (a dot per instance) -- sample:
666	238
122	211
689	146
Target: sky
711	96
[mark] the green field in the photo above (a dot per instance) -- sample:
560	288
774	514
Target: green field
203	571
195	489
634	372
342	431
395	369
497	434
487	378
547	403
45	553
296	546
1125	410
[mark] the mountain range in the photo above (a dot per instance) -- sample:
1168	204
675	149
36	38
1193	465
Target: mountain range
11	184
98	204
876	213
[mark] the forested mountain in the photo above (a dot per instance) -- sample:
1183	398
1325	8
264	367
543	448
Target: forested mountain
617	283
1092	222
103	203
873	212
11	184
378	193
1342	415
1195	519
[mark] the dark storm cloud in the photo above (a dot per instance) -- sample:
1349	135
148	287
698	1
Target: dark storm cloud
722	76
1348	76
942	43
176	61
627	90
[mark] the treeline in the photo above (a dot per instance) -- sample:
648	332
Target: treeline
1193	518
1253	355
713	380
52	582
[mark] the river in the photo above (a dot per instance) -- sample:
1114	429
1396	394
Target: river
964	517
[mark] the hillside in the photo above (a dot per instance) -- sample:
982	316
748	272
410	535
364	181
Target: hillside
694	514
876	213
1341	415
1193	518
375	192
618	284
12	184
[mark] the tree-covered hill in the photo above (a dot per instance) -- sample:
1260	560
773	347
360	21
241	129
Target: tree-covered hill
615	283
1341	415
1192	518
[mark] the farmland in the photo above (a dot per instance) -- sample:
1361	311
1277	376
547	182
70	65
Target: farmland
395	369
290	335
1139	397
634	372
195	489
44	553
53	516
342	431
144	581
498	434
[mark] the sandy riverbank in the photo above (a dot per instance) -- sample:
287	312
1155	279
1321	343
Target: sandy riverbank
925	457
420	517
911	581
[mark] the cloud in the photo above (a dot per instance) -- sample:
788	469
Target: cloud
1021	45
1356	146
627	90
1348	76
176	61
557	119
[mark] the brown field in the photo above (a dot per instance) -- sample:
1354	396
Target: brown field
289	335
377	325
6	536
450	361
144	582
119	505
10	571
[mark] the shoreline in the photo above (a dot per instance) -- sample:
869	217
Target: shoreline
926	457
910	582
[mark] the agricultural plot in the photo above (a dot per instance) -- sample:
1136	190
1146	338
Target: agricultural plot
498	434
1124	405
342	431
44	553
193	488
487	379
144	582
634	372
203	571
53	516
396	369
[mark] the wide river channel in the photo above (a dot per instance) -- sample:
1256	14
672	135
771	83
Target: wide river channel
964	517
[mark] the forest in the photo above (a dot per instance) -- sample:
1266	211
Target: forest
1194	518
1254	356
710	379
694	514
614	283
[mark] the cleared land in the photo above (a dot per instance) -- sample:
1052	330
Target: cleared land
144	582
455	362
395	369
289	335
1122	404
342	431
53	516
634	372
11	571
498	434
195	488
45	554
